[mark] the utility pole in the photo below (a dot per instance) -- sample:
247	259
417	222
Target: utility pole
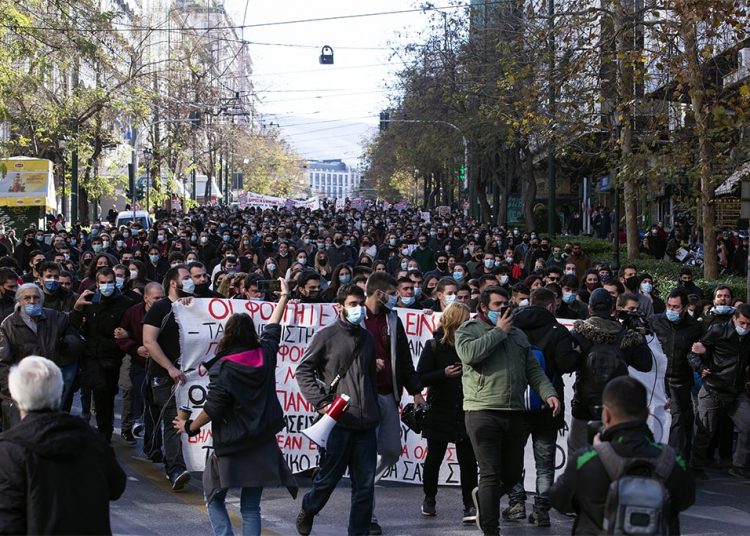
551	163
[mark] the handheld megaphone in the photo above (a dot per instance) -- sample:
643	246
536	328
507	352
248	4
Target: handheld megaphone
318	433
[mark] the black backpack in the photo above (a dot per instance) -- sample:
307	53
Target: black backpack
637	501
603	363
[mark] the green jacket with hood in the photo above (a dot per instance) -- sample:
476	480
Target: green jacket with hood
498	367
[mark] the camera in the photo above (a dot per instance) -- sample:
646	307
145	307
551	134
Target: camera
634	321
594	426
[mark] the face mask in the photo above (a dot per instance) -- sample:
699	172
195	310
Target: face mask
404	265
591	286
94	232
489	263
569	297
408	300
133	274
673	316
201	288
723	309
392	242
503	279
225	238
344	279
204	239
153	258
442	266
161	238
271	267
691	312
647	288
631	283
313	294
73	241
523	303
188	287
405	252
509	260
97	248
119	282
740	331
354	315
105	244
391	301
51	284
570	272
119	243
458	276
417	292
302	260
66	256
106	289
449	299
194	238
348	242
34	309
493	317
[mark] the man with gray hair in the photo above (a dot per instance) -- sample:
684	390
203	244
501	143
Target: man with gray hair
57	475
30	330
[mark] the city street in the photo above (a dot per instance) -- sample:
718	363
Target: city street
150	507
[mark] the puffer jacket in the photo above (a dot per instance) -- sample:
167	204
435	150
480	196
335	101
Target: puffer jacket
330	349
676	339
17	341
630	346
242	400
497	367
727	356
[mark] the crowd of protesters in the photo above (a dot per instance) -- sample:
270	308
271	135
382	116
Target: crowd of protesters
98	302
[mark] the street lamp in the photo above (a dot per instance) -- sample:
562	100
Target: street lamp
148	158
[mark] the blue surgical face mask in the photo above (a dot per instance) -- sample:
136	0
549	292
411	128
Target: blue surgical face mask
569	297
355	315
119	282
673	316
345	278
391	301
740	331
723	309
458	276
489	263
417	292
97	248
226	238
493	317
408	300
106	289
51	284
302	260
154	259
33	309
188	287
271	267
449	299
647	288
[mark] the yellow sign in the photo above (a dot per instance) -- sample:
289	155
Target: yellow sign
26	182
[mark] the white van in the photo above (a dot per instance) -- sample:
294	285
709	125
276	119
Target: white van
139	217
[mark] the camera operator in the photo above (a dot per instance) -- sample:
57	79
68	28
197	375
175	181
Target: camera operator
607	349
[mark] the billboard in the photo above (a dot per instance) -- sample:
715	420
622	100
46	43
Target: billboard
26	182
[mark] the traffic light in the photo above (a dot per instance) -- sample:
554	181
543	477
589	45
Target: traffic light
385	117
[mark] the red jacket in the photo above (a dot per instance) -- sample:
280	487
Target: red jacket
132	322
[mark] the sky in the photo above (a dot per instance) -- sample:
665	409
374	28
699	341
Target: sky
325	111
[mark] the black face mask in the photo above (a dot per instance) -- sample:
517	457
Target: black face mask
442	265
201	288
338	241
631	283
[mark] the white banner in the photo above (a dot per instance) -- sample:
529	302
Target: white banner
269	201
201	327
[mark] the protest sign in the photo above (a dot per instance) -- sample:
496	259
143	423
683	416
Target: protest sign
202	325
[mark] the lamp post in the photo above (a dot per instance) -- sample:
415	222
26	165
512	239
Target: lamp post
148	158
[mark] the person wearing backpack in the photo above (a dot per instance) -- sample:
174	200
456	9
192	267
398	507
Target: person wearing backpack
607	350
625	476
552	344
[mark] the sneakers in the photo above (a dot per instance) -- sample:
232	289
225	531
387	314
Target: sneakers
138	429
304	523
128	437
515	512
470	515
428	507
739	472
375	529
475	498
540	518
179	478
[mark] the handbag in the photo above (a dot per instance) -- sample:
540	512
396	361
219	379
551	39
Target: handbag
414	416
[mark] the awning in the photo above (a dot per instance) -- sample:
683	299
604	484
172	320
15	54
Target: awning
732	183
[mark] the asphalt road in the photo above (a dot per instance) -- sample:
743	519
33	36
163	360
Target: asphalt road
149	507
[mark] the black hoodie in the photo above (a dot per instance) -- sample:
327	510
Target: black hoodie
57	476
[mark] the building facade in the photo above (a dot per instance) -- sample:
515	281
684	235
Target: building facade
332	178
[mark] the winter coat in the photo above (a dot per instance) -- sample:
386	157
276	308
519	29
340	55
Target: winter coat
584	485
57	476
330	349
727	356
17	341
242	400
576	310
97	323
497	367
676	339
630	346
445	420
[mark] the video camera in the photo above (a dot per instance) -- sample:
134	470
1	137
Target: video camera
595	426
635	321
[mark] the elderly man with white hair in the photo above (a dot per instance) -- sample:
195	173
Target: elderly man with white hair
30	330
57	475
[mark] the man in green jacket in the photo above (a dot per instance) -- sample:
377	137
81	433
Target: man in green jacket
497	366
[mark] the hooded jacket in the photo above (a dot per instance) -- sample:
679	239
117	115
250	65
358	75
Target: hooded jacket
57	476
629	345
329	351
242	400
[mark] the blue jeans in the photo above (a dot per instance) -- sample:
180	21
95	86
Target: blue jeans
69	375
249	508
543	433
357	450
